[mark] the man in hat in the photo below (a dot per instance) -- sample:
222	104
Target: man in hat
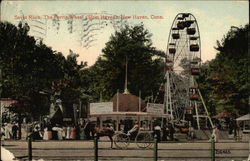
134	129
14	131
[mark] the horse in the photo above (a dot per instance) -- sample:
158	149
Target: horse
100	132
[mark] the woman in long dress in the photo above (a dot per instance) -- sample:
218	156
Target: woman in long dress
60	133
82	132
45	135
68	132
72	133
2	134
216	134
64	133
7	131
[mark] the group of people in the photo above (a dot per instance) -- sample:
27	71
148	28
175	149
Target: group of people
9	131
167	131
75	132
59	132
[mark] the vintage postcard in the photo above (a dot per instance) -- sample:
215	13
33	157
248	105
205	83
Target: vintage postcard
125	80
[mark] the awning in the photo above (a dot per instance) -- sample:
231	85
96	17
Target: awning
129	114
223	115
7	102
244	118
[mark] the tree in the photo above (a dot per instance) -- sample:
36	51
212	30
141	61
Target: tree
131	45
72	89
226	78
30	67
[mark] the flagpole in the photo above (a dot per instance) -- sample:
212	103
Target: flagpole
126	78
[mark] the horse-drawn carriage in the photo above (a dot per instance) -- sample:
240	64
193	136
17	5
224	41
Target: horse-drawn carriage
143	137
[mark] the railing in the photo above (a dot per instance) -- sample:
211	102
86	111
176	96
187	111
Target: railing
156	151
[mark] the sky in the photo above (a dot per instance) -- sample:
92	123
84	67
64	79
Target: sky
90	32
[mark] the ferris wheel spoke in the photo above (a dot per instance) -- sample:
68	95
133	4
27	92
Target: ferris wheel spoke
180	53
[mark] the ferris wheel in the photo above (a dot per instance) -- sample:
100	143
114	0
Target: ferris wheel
182	98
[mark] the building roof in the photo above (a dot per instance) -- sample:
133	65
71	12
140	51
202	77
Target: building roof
128	103
7	102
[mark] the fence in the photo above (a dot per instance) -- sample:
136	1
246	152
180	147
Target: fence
159	151
155	149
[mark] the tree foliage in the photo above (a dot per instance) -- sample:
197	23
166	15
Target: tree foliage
225	79
29	67
132	44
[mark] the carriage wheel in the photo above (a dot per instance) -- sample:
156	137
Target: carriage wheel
121	140
144	140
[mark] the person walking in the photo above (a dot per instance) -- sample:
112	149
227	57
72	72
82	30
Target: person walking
72	133
87	130
67	132
60	132
171	131
64	132
14	131
45	134
82	132
2	134
7	131
157	132
216	134
36	133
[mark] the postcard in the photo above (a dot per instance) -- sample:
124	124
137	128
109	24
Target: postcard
124	80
